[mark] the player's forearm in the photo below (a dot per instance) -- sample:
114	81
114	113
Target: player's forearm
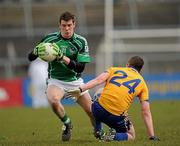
89	85
32	56
98	80
148	122
76	66
147	117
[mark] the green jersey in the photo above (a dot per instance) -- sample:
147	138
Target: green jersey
75	48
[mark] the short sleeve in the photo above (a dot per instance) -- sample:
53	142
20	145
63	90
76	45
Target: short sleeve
144	94
83	54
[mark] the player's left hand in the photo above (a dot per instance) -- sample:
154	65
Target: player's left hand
58	51
154	138
74	93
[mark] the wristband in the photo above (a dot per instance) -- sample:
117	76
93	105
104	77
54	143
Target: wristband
80	89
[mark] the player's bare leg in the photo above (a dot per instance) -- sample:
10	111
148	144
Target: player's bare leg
85	102
131	133
55	94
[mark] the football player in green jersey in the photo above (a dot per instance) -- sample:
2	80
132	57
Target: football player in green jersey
65	71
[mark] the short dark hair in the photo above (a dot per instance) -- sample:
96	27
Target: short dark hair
136	62
66	16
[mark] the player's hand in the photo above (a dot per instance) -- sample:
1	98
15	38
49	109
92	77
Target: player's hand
58	51
39	50
154	138
74	93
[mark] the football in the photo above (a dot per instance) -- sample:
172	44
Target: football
48	52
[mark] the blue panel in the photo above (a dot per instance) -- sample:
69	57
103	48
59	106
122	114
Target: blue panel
163	86
27	100
68	102
87	78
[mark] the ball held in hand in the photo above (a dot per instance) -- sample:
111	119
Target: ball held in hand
47	52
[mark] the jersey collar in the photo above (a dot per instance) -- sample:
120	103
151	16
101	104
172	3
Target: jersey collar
133	68
61	37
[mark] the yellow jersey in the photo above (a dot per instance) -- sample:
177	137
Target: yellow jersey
122	86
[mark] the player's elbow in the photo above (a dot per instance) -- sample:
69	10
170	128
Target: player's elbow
146	113
145	108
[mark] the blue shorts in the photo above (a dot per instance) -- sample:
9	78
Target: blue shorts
120	123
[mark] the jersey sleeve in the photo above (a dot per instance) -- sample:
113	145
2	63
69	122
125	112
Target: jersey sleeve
83	54
144	95
49	37
109	70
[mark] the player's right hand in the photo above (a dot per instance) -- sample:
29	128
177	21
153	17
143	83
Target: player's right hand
154	138
74	93
39	50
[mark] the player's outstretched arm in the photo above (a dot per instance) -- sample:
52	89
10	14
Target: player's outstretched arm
92	83
97	81
147	117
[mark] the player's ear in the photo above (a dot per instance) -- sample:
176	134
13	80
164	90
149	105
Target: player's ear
74	24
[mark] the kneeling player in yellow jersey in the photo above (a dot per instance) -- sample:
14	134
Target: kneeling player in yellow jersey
122	85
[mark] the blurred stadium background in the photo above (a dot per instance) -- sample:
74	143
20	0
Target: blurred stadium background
115	29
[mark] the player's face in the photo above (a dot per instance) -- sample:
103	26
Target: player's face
67	28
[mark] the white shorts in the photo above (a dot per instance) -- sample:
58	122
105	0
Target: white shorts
66	85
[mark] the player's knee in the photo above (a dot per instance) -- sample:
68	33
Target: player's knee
131	136
88	111
53	99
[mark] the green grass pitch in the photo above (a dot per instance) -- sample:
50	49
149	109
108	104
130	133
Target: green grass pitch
40	127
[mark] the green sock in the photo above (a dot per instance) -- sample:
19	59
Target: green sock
65	119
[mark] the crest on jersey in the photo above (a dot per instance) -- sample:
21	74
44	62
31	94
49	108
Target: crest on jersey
72	50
